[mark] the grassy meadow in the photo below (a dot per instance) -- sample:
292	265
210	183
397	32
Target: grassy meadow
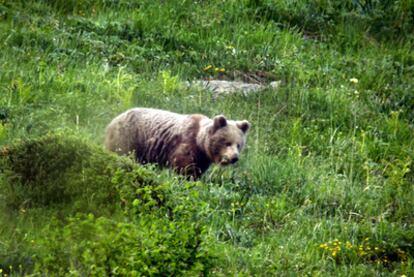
323	188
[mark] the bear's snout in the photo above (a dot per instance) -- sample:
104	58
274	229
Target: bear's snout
234	160
229	160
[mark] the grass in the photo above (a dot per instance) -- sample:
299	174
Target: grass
324	186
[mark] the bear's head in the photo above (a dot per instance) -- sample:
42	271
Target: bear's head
226	139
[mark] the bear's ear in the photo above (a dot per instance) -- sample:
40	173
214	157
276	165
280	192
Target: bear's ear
243	125
219	122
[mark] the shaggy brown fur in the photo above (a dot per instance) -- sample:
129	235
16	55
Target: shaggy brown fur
187	143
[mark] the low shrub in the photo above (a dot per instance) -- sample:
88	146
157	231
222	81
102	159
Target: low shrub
121	220
58	169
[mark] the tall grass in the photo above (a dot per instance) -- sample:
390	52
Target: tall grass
324	186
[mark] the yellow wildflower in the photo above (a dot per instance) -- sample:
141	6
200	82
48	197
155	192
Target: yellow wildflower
323	245
208	67
354	80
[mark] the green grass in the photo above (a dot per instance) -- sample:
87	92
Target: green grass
324	187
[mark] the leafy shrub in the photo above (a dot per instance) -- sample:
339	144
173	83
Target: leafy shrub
57	169
99	246
148	234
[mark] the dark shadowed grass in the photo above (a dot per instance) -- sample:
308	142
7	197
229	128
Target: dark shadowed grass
323	188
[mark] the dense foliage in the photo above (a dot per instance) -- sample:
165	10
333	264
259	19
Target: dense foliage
105	215
325	186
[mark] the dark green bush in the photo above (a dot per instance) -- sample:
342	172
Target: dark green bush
99	246
148	234
57	169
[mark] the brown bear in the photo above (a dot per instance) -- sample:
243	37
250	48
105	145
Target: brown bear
186	143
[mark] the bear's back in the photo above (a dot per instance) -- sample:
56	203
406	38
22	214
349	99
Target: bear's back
151	133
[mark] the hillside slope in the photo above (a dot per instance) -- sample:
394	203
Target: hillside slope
324	188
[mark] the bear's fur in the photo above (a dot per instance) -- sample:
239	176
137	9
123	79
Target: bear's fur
186	143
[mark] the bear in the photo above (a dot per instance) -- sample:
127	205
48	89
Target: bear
187	143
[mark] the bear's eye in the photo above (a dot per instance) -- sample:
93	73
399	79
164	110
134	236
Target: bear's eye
238	146
228	143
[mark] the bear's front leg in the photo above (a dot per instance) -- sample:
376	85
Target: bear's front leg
184	161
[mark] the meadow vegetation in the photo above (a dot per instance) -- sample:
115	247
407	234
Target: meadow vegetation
324	188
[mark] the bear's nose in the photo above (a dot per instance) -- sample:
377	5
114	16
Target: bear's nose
234	160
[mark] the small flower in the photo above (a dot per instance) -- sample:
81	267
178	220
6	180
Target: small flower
323	245
208	67
354	80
